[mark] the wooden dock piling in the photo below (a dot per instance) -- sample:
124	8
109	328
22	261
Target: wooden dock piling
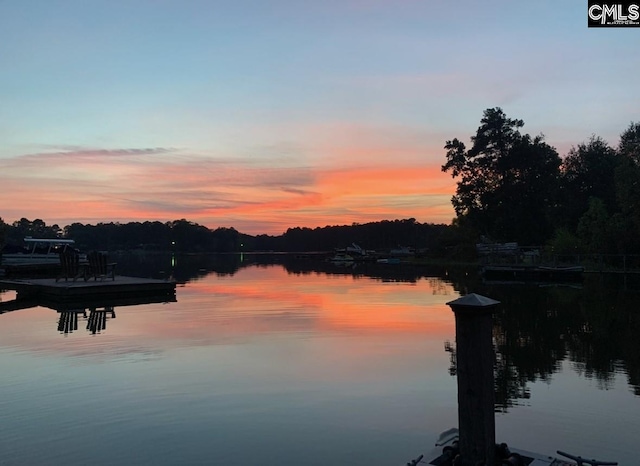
474	362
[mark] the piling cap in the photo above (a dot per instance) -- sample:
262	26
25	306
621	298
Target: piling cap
473	300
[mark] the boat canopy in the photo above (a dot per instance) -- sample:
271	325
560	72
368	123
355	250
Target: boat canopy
49	240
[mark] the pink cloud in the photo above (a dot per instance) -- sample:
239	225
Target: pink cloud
93	185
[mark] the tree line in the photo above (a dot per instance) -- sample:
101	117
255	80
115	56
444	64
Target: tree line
515	187
178	235
185	236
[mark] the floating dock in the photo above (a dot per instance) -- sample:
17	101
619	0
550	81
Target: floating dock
61	290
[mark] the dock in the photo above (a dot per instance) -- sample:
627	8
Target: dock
61	290
529	272
94	300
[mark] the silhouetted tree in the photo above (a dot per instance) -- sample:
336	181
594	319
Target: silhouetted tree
629	145
593	227
36	228
588	171
507	180
627	185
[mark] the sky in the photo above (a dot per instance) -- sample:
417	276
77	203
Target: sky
267	114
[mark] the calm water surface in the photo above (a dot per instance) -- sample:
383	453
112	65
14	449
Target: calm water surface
271	365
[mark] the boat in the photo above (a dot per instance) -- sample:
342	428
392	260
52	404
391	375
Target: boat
341	257
402	251
355	250
446	449
388	260
354	253
36	251
37	255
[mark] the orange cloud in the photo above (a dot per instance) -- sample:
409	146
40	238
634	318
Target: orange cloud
392	180
252	195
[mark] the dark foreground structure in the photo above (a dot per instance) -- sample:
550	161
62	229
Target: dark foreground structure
473	443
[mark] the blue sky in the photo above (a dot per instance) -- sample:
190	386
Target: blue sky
267	114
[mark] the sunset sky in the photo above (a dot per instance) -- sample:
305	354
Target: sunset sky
267	114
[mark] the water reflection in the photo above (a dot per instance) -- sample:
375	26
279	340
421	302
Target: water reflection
188	268
536	328
594	326
68	321
96	311
96	320
299	354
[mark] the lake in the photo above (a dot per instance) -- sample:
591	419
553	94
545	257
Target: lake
274	360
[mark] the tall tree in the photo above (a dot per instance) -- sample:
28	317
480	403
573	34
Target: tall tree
507	180
588	171
629	145
627	185
593	227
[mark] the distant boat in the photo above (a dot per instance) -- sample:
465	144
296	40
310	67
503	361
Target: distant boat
402	251
355	250
37	251
389	260
341	257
